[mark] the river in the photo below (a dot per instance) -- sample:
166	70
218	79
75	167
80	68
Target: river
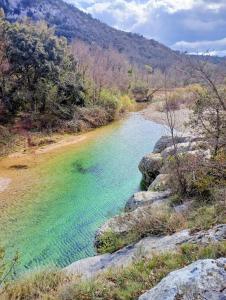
64	197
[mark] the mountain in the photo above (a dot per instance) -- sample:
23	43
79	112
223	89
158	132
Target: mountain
75	24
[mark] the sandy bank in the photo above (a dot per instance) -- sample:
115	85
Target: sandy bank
63	142
181	116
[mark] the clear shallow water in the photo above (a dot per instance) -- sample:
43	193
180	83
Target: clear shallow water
77	191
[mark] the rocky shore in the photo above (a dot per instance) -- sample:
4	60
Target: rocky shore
205	278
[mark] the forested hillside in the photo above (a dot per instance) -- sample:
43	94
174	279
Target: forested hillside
47	86
75	24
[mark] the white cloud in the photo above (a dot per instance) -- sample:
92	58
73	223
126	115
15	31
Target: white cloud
216	47
169	21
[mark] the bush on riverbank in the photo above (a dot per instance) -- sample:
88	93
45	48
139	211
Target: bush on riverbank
117	284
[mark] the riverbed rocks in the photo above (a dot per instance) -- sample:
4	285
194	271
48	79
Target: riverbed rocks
146	198
149	167
203	279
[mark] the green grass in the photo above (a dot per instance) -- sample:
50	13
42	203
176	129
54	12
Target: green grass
116	284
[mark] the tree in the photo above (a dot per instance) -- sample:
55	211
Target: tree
177	160
209	109
4	65
38	63
101	69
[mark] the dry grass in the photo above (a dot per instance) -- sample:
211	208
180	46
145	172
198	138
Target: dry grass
148	221
117	284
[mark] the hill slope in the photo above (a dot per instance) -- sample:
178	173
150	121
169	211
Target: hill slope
73	23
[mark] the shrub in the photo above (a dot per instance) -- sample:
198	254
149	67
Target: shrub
201	177
125	103
108	99
110	242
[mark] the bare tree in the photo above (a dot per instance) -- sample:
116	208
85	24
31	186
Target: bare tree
209	110
171	121
101	68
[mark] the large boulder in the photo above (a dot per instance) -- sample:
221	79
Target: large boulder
146	198
150	166
183	148
161	183
166	141
203	279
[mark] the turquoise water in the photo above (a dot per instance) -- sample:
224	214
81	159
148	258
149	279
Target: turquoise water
80	188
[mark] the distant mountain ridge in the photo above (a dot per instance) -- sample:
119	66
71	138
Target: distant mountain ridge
72	23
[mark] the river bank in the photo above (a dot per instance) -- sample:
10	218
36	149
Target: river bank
181	116
29	157
180	250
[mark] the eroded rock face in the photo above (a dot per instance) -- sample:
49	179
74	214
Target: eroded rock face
166	141
216	234
146	198
150	166
203	279
139	207
160	183
91	266
183	148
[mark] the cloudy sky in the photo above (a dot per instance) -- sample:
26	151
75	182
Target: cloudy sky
186	25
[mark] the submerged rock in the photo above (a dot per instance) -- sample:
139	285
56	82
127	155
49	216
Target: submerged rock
203	279
146	198
150	166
